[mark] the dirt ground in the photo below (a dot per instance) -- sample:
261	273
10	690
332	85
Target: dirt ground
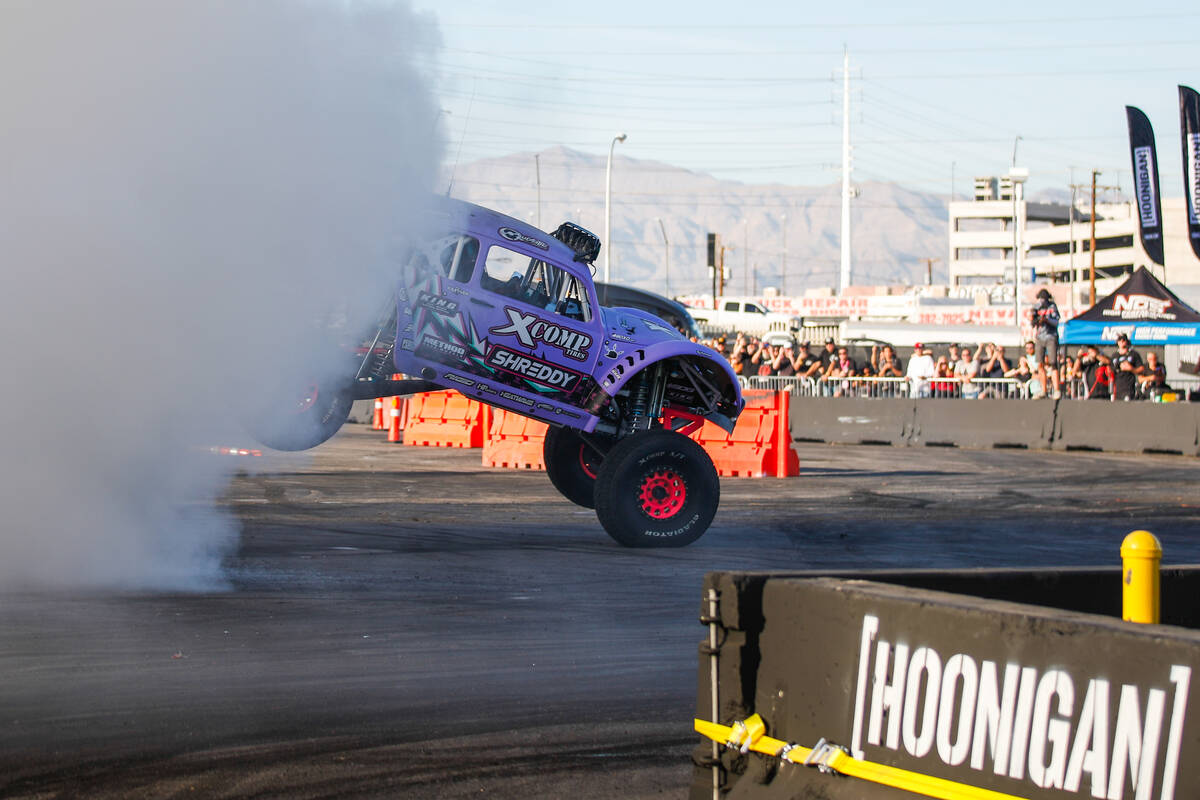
403	622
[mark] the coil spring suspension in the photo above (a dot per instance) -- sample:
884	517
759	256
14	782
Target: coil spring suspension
639	396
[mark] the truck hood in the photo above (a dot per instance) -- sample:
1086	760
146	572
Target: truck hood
635	326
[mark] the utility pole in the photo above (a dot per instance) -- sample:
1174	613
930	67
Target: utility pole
1092	247
721	273
1071	251
746	254
666	256
783	267
929	270
537	168
844	275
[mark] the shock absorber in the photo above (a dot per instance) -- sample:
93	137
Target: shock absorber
638	402
645	400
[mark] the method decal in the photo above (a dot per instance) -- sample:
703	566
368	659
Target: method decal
437	350
530	329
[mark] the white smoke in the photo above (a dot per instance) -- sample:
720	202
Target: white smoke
182	187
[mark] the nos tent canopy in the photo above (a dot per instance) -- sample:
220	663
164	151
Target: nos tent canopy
1142	308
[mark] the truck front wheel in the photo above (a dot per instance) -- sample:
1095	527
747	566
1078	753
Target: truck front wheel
657	489
572	465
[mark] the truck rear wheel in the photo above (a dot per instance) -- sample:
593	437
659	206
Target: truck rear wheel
301	415
657	489
571	465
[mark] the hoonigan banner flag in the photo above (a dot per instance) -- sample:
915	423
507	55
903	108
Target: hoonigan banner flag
1145	182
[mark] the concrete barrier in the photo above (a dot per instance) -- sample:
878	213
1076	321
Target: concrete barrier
984	423
849	420
1128	426
1029	700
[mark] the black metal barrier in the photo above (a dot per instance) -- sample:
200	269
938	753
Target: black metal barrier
1020	687
983	423
1035	424
1130	426
850	420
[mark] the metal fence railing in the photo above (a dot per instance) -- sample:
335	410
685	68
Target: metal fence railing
872	387
1180	390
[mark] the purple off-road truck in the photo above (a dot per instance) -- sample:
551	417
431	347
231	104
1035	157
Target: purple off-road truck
507	315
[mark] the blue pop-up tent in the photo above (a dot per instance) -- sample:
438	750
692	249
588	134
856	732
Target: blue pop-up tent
1142	308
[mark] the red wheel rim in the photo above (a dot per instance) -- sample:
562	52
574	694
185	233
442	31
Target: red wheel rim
307	399
587	464
662	494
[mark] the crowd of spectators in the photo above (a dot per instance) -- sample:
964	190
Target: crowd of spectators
969	371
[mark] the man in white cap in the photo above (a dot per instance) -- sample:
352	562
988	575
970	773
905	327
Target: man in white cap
920	370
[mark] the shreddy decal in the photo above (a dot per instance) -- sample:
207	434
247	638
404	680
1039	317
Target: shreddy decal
532	368
530	329
517	236
1044	725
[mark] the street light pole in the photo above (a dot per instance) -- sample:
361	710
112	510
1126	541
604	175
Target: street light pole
620	137
666	256
783	267
537	168
1018	175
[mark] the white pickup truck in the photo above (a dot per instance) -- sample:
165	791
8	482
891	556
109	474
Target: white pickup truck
742	316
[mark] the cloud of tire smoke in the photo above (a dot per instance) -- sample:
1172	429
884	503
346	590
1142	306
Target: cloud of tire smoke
182	187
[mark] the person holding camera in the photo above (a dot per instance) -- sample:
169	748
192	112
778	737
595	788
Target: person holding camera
1096	374
1126	364
1044	317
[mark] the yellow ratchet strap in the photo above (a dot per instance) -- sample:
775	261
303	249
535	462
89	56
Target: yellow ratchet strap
750	736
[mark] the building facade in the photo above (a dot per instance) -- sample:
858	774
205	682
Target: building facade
982	238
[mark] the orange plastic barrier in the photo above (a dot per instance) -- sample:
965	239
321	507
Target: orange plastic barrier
514	441
445	419
761	442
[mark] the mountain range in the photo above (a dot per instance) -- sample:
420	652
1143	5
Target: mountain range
894	228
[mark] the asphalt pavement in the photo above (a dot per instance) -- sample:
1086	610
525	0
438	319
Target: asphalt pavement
402	622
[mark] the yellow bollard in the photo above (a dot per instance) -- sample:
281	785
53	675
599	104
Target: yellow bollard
1141	553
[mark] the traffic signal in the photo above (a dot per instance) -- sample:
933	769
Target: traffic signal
712	250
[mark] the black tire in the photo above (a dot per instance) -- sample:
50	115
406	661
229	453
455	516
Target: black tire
571	465
657	489
301	415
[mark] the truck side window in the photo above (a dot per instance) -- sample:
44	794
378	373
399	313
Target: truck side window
534	282
731	305
458	258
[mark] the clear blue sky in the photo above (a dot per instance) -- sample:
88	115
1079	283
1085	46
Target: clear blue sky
748	91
